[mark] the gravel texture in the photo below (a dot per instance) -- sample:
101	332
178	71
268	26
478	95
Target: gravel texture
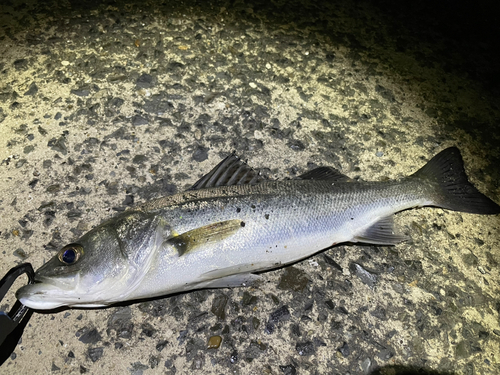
106	105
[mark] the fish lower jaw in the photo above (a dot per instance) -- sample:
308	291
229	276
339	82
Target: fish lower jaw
36	303
42	304
41	296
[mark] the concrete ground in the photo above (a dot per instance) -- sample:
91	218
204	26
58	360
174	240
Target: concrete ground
106	105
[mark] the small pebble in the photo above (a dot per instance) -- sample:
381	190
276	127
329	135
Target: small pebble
214	342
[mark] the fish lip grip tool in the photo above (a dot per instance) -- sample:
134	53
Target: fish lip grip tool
12	324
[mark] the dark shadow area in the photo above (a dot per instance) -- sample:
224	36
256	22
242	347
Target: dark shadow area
470	30
404	370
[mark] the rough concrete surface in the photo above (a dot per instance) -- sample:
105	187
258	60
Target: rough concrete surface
106	105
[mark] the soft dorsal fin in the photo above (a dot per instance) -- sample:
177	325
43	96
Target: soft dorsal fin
230	171
324	173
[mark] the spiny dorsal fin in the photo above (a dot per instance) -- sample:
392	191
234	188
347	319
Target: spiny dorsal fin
230	171
324	173
186	242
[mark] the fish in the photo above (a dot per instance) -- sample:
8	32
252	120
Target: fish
233	224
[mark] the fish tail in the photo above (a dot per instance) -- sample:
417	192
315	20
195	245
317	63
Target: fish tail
452	189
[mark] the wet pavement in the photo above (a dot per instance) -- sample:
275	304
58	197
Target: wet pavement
106	105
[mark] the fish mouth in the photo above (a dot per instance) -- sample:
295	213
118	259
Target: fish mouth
42	296
48	293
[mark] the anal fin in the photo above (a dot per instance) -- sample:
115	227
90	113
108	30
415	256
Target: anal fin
380	233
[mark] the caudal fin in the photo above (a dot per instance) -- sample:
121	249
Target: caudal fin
454	191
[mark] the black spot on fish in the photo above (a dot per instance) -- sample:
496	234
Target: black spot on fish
238	209
253	206
242	223
266	216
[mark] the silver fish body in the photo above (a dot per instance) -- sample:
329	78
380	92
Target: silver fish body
219	236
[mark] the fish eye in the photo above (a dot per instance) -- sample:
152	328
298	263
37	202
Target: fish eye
69	254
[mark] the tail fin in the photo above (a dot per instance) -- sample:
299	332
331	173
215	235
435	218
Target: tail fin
455	192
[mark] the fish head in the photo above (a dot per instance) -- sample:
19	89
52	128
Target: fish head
101	268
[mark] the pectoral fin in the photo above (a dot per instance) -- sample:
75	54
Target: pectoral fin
188	241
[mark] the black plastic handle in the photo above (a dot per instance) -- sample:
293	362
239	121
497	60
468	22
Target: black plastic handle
12	324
